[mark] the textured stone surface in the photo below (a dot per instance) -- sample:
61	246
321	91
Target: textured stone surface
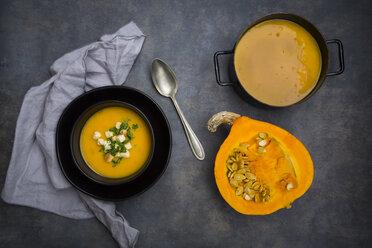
184	208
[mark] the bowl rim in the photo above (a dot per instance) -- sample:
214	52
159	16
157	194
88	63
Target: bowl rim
130	178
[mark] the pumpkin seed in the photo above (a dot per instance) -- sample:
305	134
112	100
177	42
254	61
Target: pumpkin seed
232	174
262	143
244	145
246	197
239	156
251	193
260	149
267	192
289	186
229	174
241	165
262	135
234	166
244	158
239	190
250	184
261	189
250	176
234	183
229	167
239	177
256	187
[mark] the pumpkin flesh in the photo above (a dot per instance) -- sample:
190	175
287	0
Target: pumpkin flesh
284	155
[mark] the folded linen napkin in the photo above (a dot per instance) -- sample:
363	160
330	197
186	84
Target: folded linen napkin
34	178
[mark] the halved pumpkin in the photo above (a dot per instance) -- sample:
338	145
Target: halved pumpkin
260	168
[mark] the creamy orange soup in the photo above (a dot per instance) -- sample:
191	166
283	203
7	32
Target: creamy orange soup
101	122
278	62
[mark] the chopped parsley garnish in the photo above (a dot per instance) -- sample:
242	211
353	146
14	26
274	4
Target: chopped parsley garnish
115	163
130	135
124	125
115	145
115	130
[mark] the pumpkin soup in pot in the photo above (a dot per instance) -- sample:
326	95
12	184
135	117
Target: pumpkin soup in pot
278	62
116	142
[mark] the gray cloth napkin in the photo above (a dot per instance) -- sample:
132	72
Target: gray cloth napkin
34	178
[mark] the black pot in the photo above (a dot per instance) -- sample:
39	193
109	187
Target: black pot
322	43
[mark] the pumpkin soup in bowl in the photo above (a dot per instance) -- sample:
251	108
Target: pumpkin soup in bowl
112	142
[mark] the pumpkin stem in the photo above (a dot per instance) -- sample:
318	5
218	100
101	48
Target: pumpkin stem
221	117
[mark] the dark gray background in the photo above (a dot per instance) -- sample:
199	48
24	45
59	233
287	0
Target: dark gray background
184	208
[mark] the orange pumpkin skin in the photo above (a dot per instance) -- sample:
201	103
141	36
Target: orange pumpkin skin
245	128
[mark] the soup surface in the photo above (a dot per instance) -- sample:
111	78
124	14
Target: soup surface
278	62
101	122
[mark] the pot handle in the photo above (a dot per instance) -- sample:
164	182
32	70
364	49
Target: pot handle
217	67
340	57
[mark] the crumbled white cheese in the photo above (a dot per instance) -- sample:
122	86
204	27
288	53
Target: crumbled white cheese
124	154
100	142
123	131
114	138
117	155
107	146
128	146
109	134
96	135
116	146
118	124
121	138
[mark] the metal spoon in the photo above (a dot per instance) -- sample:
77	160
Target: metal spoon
166	83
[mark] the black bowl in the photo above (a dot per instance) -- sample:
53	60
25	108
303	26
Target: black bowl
75	143
128	96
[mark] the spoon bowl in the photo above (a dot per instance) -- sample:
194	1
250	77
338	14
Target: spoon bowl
164	79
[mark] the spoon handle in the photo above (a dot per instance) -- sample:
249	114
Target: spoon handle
194	142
